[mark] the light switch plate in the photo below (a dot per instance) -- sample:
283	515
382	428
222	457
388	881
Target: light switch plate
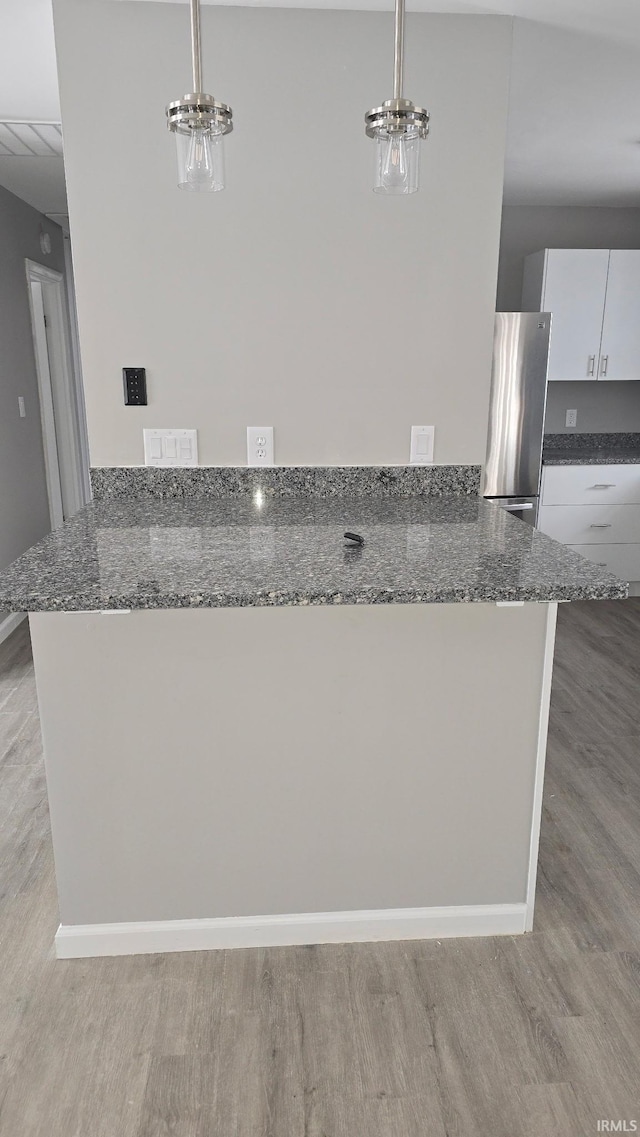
170	447
422	439
259	446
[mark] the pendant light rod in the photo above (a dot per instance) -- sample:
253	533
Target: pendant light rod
398	64
196	49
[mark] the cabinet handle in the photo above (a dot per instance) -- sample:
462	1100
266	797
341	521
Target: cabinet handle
604	486
591	365
608	526
604	364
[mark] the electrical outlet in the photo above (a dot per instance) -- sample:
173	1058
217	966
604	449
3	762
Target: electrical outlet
135	386
422	438
571	418
170	447
259	446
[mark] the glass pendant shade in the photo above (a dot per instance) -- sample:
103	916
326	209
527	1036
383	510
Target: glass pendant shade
397	161
200	152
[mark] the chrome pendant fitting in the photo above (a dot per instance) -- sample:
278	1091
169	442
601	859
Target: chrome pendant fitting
397	115
197	110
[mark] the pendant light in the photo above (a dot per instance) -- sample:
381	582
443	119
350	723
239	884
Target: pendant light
199	124
397	128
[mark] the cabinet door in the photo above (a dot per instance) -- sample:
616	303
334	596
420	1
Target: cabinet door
620	357
575	286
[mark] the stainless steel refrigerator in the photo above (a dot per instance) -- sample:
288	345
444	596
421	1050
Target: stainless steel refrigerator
517	409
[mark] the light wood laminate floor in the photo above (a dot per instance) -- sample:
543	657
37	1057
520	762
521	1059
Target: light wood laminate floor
531	1036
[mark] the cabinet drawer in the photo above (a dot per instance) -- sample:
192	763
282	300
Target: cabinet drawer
590	485
591	524
621	560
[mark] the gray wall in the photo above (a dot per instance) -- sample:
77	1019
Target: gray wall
527	229
600	407
24	507
297	297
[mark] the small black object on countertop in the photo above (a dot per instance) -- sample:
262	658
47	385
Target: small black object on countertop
355	537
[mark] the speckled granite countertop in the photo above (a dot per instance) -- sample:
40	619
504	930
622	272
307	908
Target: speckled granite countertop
279	550
591	449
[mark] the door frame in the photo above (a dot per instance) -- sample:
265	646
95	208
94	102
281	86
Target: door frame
61	432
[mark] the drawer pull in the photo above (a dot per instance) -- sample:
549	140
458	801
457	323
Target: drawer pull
604	486
607	526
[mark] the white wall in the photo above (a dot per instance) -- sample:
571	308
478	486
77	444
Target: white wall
24	507
526	229
297	297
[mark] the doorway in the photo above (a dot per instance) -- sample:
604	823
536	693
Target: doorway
61	396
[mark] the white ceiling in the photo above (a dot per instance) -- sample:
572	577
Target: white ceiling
29	90
574	131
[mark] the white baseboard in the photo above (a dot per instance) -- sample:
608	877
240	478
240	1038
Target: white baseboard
10	623
74	941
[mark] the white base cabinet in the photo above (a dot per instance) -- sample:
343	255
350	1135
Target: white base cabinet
595	510
591	524
621	560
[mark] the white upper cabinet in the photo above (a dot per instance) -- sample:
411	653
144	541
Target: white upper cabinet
620	352
572	285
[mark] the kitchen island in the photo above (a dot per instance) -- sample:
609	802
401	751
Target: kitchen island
257	732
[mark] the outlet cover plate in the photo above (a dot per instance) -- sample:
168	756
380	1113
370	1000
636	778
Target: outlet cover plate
135	386
170	447
259	446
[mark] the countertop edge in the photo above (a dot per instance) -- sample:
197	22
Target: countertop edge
559	594
591	460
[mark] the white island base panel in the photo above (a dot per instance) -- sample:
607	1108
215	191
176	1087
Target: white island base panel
239	777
